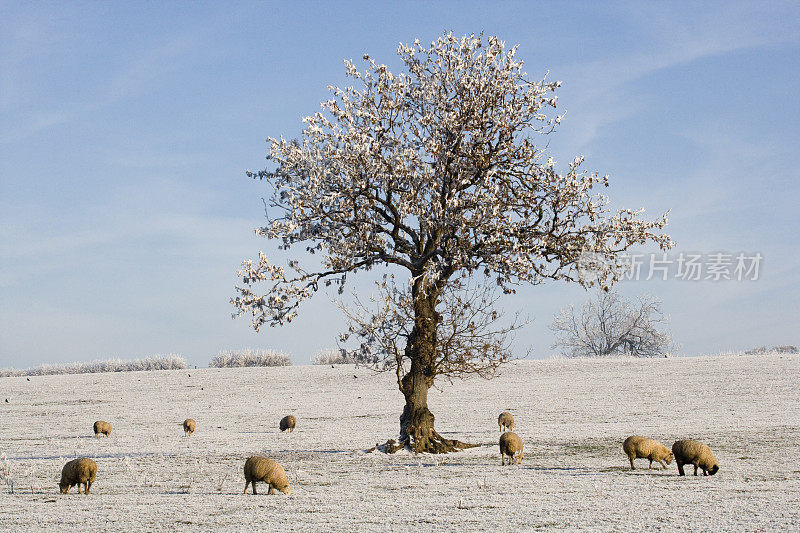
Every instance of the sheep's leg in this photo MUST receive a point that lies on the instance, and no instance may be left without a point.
(650, 466)
(254, 487)
(271, 489)
(680, 468)
(245, 486)
(502, 459)
(663, 466)
(695, 469)
(88, 485)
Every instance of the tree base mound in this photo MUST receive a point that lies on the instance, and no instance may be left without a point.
(432, 443)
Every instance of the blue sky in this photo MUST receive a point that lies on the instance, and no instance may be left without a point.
(125, 130)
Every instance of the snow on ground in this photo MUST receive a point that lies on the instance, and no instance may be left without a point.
(572, 415)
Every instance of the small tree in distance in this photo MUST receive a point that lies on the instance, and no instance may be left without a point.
(611, 325)
(437, 174)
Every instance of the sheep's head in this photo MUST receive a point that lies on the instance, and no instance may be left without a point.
(713, 470)
(669, 458)
(286, 490)
(64, 487)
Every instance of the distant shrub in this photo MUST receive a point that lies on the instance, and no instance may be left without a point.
(156, 362)
(248, 357)
(775, 349)
(331, 356)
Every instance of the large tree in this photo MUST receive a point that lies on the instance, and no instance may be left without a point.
(437, 172)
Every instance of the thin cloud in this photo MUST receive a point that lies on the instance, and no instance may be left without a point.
(597, 93)
(143, 72)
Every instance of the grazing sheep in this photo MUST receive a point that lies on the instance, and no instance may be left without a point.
(510, 445)
(642, 447)
(77, 471)
(102, 427)
(258, 468)
(288, 422)
(505, 420)
(697, 454)
(188, 427)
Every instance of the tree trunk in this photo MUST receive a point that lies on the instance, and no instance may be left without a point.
(416, 423)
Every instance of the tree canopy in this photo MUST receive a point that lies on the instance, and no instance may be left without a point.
(439, 171)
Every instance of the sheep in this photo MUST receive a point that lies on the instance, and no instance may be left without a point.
(288, 422)
(188, 427)
(505, 420)
(641, 447)
(259, 468)
(697, 454)
(102, 427)
(77, 471)
(510, 445)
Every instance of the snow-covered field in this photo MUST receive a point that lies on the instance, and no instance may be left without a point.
(571, 414)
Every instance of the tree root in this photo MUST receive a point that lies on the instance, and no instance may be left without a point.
(432, 443)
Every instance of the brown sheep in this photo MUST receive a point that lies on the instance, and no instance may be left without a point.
(505, 420)
(510, 445)
(258, 468)
(697, 454)
(641, 447)
(288, 422)
(77, 471)
(188, 427)
(102, 427)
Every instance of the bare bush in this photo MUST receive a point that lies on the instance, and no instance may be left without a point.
(156, 362)
(334, 356)
(775, 349)
(249, 357)
(612, 325)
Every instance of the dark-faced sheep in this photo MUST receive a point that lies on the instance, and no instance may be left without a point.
(77, 471)
(643, 448)
(101, 427)
(258, 468)
(288, 422)
(511, 446)
(697, 454)
(188, 427)
(505, 421)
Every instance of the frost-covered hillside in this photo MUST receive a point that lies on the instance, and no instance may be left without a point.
(571, 414)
